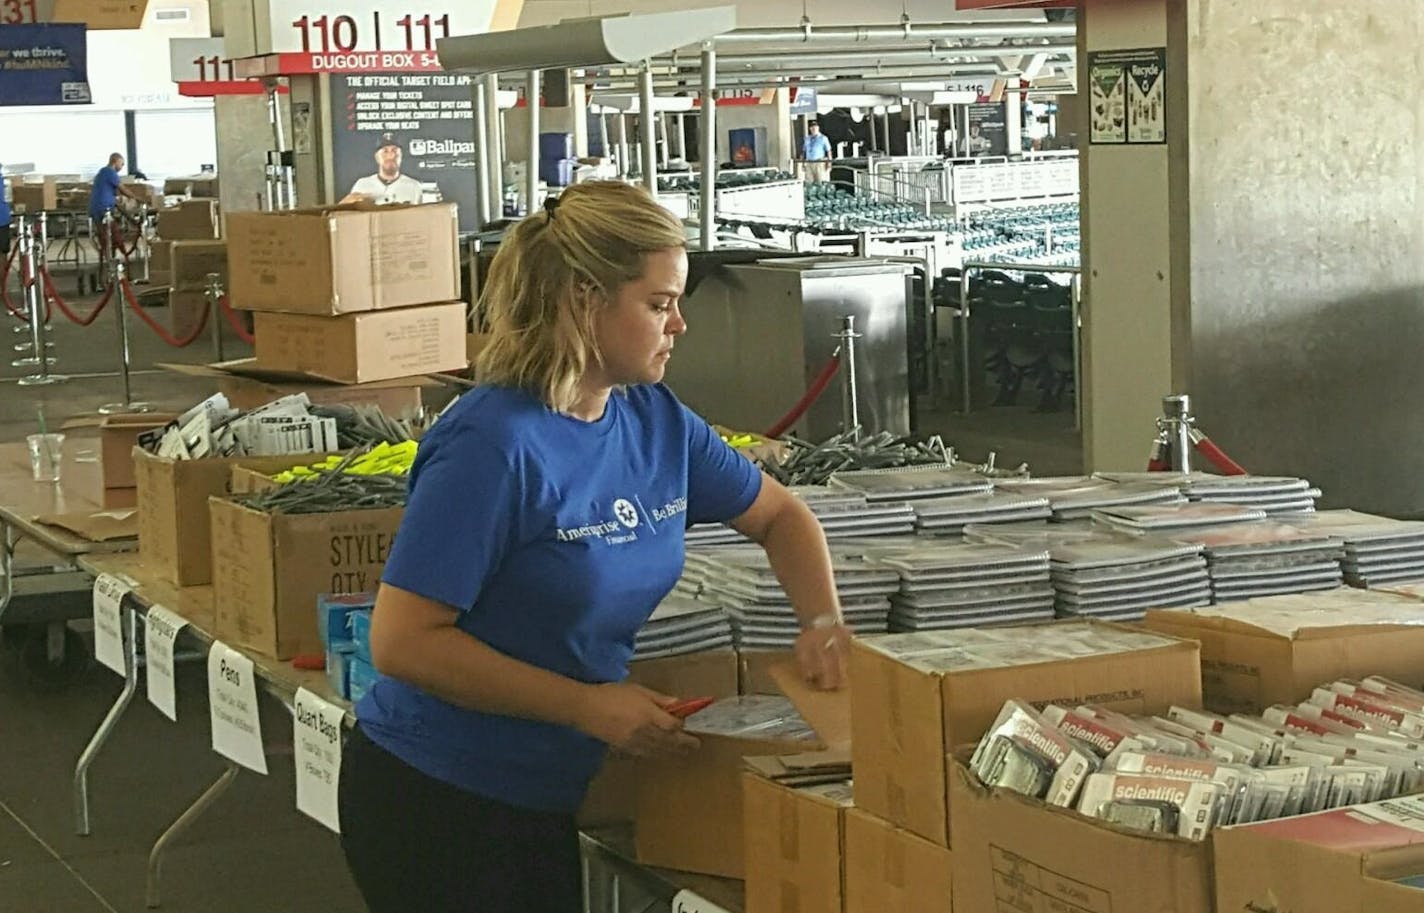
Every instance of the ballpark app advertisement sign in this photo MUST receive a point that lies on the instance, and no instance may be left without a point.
(405, 138)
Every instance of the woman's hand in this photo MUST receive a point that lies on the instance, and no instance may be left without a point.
(822, 653)
(632, 720)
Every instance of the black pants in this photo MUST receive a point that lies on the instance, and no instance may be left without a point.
(418, 845)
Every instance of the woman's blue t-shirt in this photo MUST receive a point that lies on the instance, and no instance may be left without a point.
(555, 539)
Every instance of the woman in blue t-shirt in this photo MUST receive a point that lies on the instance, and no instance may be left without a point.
(545, 522)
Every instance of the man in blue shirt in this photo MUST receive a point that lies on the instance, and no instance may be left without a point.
(107, 187)
(816, 153)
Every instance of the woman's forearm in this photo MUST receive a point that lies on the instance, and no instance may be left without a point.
(796, 547)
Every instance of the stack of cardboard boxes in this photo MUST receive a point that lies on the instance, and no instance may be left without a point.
(189, 247)
(351, 294)
(880, 812)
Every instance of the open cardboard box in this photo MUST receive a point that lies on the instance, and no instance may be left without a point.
(247, 386)
(918, 696)
(794, 824)
(612, 797)
(690, 809)
(890, 870)
(1012, 852)
(1278, 650)
(1337, 861)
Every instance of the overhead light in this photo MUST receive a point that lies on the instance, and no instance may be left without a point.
(585, 42)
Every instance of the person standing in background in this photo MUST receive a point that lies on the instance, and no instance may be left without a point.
(5, 217)
(816, 154)
(107, 187)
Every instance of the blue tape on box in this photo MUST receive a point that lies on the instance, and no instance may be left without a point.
(338, 671)
(333, 612)
(361, 633)
(360, 676)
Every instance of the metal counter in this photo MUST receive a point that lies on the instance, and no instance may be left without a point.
(759, 333)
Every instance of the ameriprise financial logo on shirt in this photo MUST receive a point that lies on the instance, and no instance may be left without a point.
(622, 527)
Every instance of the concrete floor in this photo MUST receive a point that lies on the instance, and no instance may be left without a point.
(252, 851)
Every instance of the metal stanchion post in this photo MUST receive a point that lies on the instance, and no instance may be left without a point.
(215, 293)
(34, 302)
(128, 405)
(850, 395)
(142, 237)
(1178, 418)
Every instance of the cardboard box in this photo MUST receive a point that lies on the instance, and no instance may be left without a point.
(101, 14)
(690, 809)
(1278, 650)
(186, 311)
(612, 797)
(172, 496)
(117, 436)
(190, 220)
(889, 870)
(754, 669)
(1014, 853)
(917, 697)
(269, 569)
(1325, 862)
(344, 259)
(247, 391)
(197, 186)
(794, 839)
(360, 348)
(144, 193)
(34, 197)
(185, 265)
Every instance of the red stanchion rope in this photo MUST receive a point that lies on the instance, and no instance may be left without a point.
(51, 296)
(813, 393)
(5, 288)
(1218, 457)
(158, 327)
(234, 322)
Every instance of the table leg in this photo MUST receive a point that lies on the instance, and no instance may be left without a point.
(106, 727)
(176, 829)
(8, 541)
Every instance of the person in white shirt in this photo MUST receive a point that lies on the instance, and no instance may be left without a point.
(388, 185)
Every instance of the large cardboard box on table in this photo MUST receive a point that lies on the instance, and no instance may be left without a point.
(34, 197)
(173, 530)
(197, 186)
(795, 833)
(612, 796)
(360, 348)
(185, 265)
(1279, 649)
(919, 696)
(190, 220)
(269, 569)
(344, 259)
(1337, 861)
(689, 809)
(118, 434)
(1013, 853)
(890, 870)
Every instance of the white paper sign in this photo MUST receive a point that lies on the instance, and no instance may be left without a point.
(161, 628)
(109, 593)
(689, 902)
(232, 701)
(316, 735)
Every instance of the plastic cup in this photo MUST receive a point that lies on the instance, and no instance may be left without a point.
(45, 456)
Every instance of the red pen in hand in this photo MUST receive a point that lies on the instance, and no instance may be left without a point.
(685, 708)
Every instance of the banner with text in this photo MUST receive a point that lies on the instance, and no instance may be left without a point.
(405, 138)
(44, 65)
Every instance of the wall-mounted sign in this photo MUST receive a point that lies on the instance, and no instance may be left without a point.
(261, 27)
(405, 138)
(44, 65)
(1128, 96)
(202, 69)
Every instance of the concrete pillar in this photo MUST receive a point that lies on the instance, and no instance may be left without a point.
(1013, 121)
(1135, 245)
(578, 101)
(244, 136)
